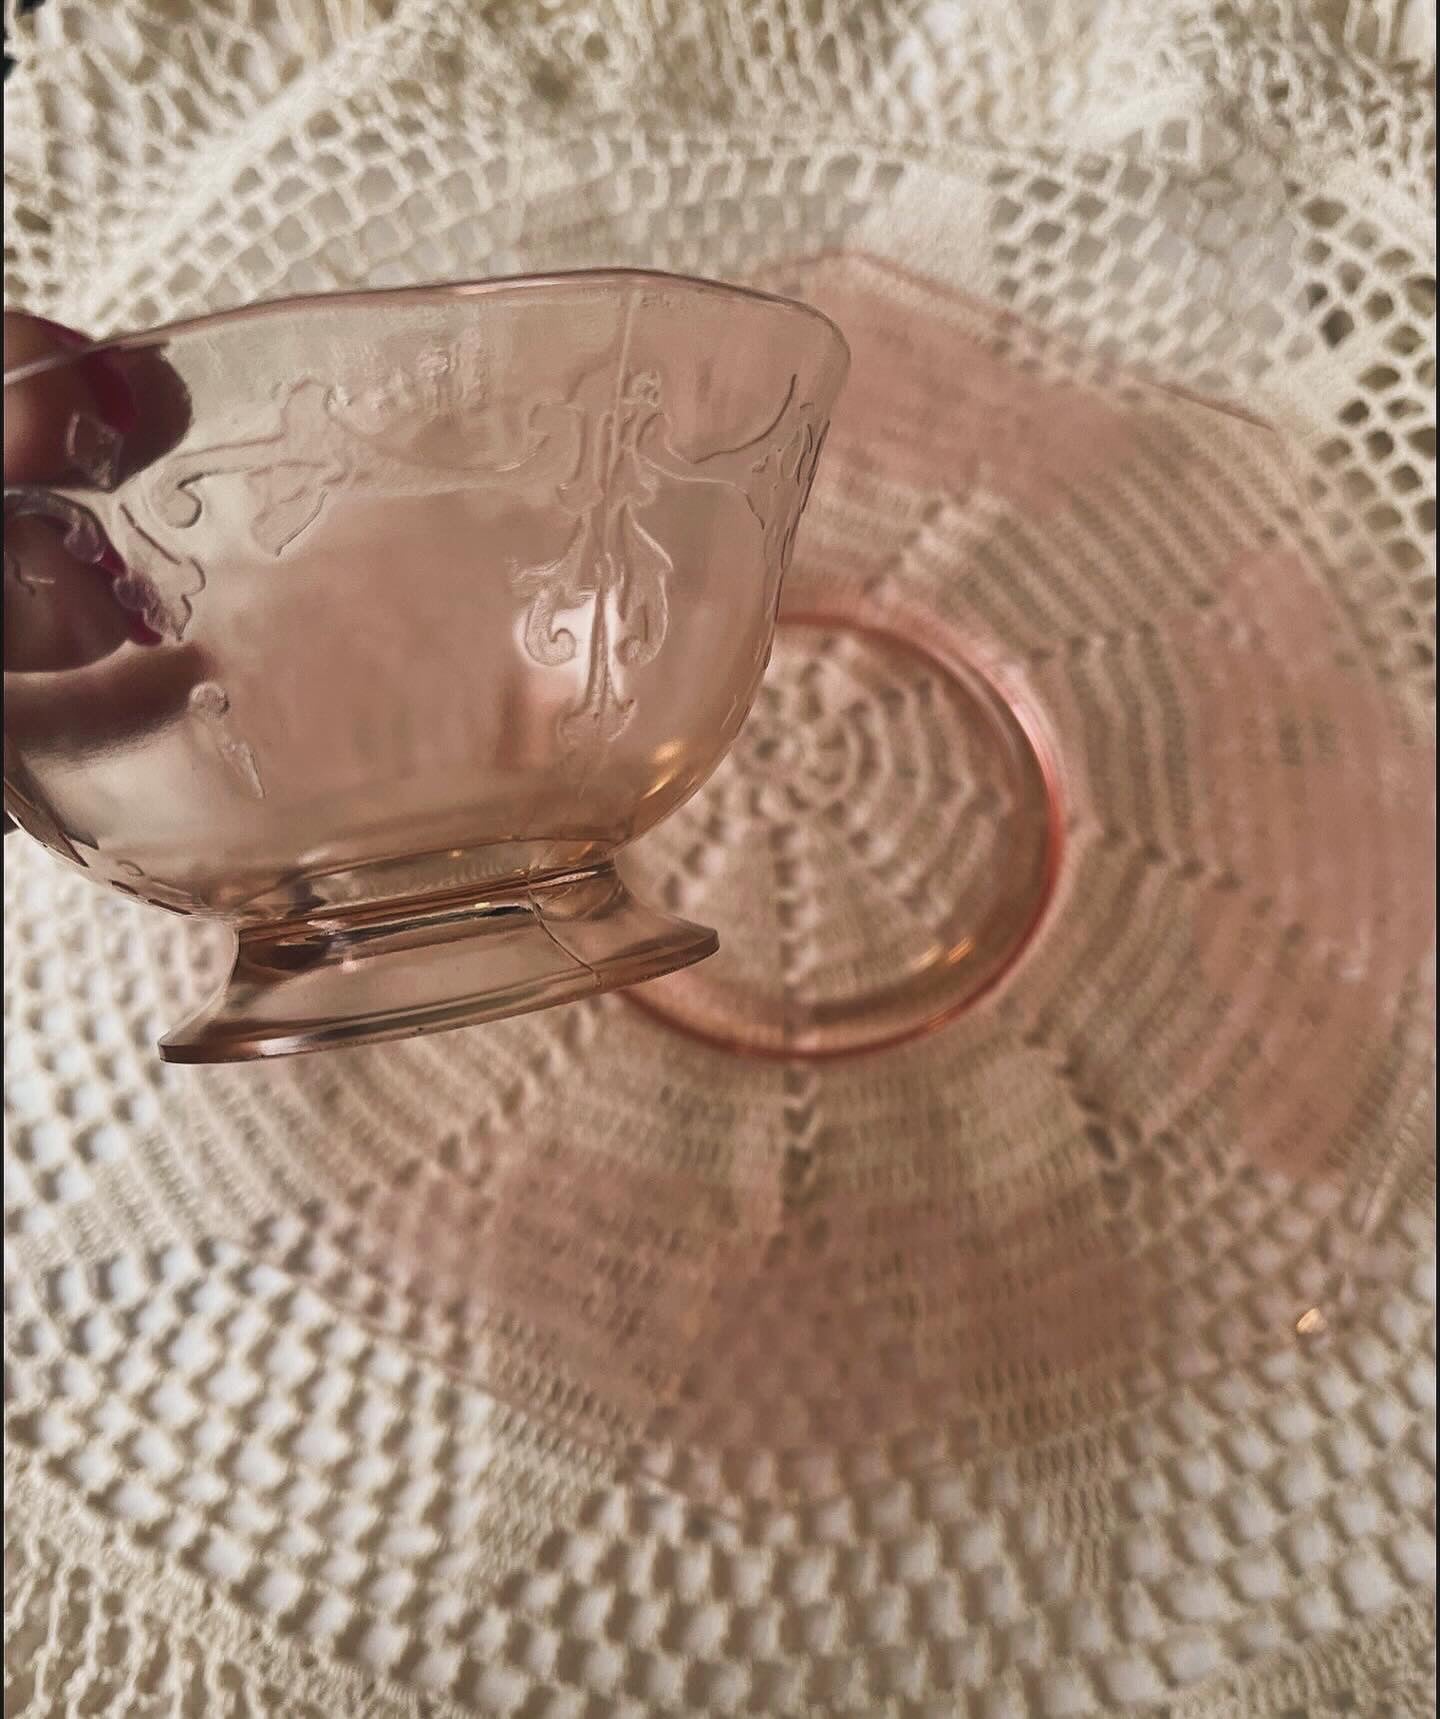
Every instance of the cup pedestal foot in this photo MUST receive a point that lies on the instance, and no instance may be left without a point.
(402, 969)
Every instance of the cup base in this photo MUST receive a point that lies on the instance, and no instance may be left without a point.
(430, 965)
(878, 849)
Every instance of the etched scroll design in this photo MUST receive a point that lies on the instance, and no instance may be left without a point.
(597, 459)
(149, 580)
(617, 568)
(210, 705)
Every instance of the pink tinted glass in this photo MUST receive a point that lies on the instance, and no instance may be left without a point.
(376, 625)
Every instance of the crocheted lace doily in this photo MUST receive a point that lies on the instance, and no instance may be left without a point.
(330, 1386)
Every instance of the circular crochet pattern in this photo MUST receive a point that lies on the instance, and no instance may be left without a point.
(1048, 1205)
(879, 848)
(573, 1366)
(888, 835)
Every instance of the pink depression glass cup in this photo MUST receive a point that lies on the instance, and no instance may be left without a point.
(376, 625)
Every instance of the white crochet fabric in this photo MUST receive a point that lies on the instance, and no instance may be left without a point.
(278, 1442)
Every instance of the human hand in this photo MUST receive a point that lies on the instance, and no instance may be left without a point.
(81, 670)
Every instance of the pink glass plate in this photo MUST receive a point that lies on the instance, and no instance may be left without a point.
(1188, 884)
(1040, 608)
(1162, 1139)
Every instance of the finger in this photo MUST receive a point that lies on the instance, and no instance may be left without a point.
(59, 609)
(120, 408)
(41, 409)
(83, 421)
(86, 419)
(101, 705)
(60, 612)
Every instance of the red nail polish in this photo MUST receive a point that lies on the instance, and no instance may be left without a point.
(137, 629)
(110, 392)
(109, 389)
(110, 563)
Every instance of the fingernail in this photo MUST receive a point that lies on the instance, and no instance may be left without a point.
(137, 629)
(66, 336)
(110, 563)
(108, 388)
(111, 393)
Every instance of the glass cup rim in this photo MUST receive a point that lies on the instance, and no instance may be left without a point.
(518, 285)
